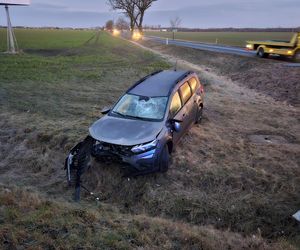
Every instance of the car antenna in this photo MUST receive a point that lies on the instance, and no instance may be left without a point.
(175, 66)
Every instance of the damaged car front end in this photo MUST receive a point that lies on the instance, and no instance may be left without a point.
(136, 159)
(139, 156)
(134, 143)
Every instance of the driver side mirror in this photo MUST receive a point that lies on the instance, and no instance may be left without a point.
(176, 125)
(105, 110)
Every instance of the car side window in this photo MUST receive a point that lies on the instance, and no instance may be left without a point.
(185, 92)
(194, 84)
(175, 104)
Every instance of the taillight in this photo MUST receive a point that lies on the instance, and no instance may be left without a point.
(201, 88)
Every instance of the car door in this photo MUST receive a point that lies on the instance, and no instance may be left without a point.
(188, 105)
(196, 97)
(181, 109)
(176, 112)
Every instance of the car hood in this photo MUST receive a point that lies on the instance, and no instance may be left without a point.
(125, 132)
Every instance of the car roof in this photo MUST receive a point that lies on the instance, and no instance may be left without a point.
(158, 84)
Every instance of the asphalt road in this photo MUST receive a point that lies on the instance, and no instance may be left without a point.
(212, 47)
(204, 46)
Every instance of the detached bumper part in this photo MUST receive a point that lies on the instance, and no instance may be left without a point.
(69, 162)
(77, 162)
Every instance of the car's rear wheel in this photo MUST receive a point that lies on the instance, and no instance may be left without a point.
(297, 56)
(164, 159)
(199, 115)
(261, 53)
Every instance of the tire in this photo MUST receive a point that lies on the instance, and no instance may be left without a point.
(164, 159)
(199, 115)
(261, 53)
(297, 56)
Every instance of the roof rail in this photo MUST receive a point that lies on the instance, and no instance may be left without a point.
(143, 79)
(187, 73)
(183, 76)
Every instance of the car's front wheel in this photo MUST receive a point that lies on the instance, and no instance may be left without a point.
(164, 159)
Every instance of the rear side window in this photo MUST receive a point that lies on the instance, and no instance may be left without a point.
(194, 84)
(185, 92)
(175, 104)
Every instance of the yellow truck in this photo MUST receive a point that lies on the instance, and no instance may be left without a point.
(283, 48)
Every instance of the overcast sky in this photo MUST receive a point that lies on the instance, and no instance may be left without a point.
(194, 13)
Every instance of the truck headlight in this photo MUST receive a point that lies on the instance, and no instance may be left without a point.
(144, 147)
(249, 46)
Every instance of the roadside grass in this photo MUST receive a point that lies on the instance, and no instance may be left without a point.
(219, 182)
(227, 38)
(30, 221)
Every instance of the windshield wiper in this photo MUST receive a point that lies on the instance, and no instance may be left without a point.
(140, 118)
(120, 114)
(133, 117)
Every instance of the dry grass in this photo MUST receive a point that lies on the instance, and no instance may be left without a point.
(220, 181)
(29, 221)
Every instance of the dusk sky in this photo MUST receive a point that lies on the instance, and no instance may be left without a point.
(194, 13)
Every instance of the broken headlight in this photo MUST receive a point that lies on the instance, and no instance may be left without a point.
(144, 147)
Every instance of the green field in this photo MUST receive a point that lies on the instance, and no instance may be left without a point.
(57, 71)
(227, 38)
(46, 38)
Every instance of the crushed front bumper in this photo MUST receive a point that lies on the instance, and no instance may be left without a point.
(122, 154)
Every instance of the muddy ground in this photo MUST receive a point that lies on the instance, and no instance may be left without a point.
(237, 171)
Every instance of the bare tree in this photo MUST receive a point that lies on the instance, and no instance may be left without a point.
(175, 23)
(129, 9)
(109, 25)
(122, 24)
(142, 6)
(133, 9)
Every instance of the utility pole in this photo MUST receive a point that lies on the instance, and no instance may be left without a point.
(12, 46)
